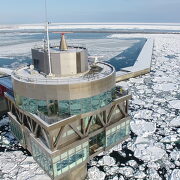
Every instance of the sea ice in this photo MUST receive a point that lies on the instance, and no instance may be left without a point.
(175, 174)
(149, 153)
(143, 114)
(175, 122)
(142, 128)
(95, 174)
(107, 160)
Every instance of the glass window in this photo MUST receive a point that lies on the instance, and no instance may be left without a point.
(71, 151)
(96, 142)
(33, 106)
(79, 156)
(52, 107)
(95, 102)
(19, 100)
(116, 134)
(102, 98)
(85, 144)
(72, 159)
(108, 97)
(25, 103)
(42, 158)
(42, 107)
(64, 155)
(75, 107)
(64, 108)
(86, 105)
(78, 148)
(58, 166)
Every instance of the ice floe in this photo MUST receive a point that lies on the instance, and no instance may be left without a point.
(142, 128)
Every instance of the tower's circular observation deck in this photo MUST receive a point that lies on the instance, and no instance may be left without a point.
(80, 93)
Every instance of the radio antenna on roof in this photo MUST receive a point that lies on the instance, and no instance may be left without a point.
(47, 36)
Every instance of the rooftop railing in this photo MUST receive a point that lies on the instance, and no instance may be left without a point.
(56, 45)
(106, 70)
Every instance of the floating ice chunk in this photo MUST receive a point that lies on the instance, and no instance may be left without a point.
(153, 174)
(107, 160)
(175, 175)
(138, 102)
(149, 153)
(170, 138)
(126, 171)
(143, 128)
(175, 155)
(143, 140)
(175, 122)
(143, 114)
(95, 174)
(165, 87)
(112, 170)
(162, 79)
(4, 121)
(132, 163)
(139, 175)
(174, 104)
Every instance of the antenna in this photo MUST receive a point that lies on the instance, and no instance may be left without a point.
(47, 36)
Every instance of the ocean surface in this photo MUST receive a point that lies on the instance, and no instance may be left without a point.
(15, 47)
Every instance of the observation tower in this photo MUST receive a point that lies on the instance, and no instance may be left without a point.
(66, 111)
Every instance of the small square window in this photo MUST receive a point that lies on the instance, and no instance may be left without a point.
(78, 148)
(64, 155)
(85, 144)
(71, 151)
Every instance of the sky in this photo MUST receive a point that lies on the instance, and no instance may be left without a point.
(86, 11)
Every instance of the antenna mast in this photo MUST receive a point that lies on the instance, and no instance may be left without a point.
(47, 36)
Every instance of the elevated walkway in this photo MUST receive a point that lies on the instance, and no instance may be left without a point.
(142, 64)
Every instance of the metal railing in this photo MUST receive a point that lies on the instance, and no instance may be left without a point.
(107, 70)
(56, 45)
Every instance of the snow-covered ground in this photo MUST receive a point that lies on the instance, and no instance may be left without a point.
(153, 150)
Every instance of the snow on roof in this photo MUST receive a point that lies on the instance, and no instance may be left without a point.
(5, 71)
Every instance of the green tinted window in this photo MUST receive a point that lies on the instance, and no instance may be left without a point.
(102, 99)
(64, 107)
(42, 106)
(75, 107)
(95, 102)
(86, 105)
(33, 106)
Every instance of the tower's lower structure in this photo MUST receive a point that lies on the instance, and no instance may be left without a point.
(66, 121)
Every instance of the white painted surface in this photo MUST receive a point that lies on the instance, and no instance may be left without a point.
(5, 71)
(144, 59)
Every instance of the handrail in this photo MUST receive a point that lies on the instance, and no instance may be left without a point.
(104, 73)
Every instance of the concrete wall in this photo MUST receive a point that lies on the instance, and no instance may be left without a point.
(64, 91)
(63, 63)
